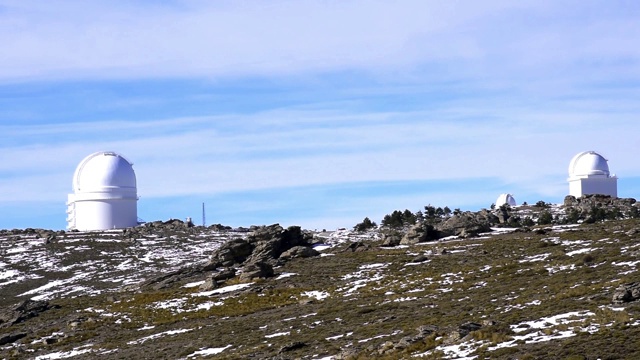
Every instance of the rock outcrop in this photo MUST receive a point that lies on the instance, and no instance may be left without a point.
(392, 347)
(264, 248)
(627, 293)
(11, 338)
(418, 233)
(391, 237)
(596, 207)
(467, 224)
(26, 310)
(254, 257)
(299, 252)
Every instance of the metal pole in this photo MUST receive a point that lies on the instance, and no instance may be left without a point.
(204, 223)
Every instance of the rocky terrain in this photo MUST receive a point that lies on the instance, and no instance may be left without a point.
(542, 281)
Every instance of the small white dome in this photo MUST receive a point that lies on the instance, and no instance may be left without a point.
(588, 163)
(104, 171)
(507, 199)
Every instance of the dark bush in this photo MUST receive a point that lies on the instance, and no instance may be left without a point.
(545, 218)
(365, 225)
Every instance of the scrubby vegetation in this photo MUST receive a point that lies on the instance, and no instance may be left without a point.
(365, 225)
(526, 292)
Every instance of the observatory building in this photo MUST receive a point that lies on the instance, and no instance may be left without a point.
(104, 194)
(505, 199)
(589, 174)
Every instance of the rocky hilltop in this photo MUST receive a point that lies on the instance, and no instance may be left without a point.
(529, 282)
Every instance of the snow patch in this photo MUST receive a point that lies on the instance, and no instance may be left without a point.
(209, 351)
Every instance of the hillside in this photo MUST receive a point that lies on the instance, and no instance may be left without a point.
(164, 291)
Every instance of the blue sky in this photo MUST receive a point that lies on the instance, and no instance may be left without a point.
(314, 113)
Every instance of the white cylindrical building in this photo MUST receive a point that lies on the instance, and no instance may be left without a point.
(104, 195)
(589, 174)
(505, 199)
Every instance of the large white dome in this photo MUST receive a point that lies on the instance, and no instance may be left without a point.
(104, 171)
(588, 163)
(505, 199)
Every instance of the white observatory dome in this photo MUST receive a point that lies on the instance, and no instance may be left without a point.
(105, 193)
(589, 175)
(505, 199)
(102, 171)
(588, 163)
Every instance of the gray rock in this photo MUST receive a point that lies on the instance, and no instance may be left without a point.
(440, 251)
(584, 204)
(216, 277)
(299, 252)
(26, 310)
(503, 214)
(627, 293)
(348, 353)
(266, 252)
(166, 280)
(418, 233)
(405, 342)
(466, 328)
(467, 224)
(357, 247)
(209, 284)
(292, 346)
(225, 274)
(232, 252)
(11, 338)
(264, 244)
(462, 331)
(256, 270)
(570, 200)
(420, 258)
(391, 238)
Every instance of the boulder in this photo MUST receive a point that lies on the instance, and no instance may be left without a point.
(212, 281)
(585, 204)
(467, 224)
(220, 228)
(232, 252)
(627, 293)
(292, 346)
(264, 244)
(299, 252)
(418, 233)
(462, 331)
(166, 280)
(11, 338)
(466, 328)
(267, 251)
(285, 238)
(357, 247)
(570, 200)
(503, 214)
(256, 270)
(225, 274)
(423, 332)
(420, 258)
(259, 253)
(391, 238)
(348, 353)
(26, 310)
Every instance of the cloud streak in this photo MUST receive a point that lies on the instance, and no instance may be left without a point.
(191, 156)
(222, 39)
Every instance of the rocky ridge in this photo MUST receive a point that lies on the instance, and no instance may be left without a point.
(463, 286)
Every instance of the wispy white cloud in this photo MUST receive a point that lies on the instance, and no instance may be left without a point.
(312, 149)
(77, 39)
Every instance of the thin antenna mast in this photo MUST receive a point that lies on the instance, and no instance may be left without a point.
(204, 223)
